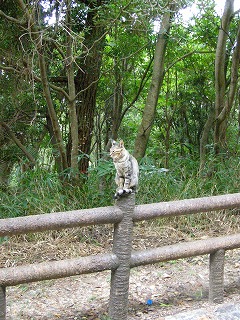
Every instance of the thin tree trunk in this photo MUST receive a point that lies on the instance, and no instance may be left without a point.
(37, 38)
(205, 136)
(238, 137)
(220, 73)
(55, 152)
(117, 101)
(156, 83)
(229, 99)
(18, 143)
(52, 113)
(72, 94)
(169, 114)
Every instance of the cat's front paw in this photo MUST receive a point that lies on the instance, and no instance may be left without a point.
(118, 193)
(125, 190)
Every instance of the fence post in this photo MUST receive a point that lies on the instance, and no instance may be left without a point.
(122, 247)
(2, 303)
(216, 275)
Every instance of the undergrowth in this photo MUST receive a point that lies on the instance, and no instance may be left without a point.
(40, 191)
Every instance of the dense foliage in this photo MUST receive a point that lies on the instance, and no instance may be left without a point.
(75, 73)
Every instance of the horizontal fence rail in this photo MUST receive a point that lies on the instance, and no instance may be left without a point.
(184, 250)
(59, 220)
(107, 215)
(57, 269)
(122, 259)
(186, 206)
(71, 267)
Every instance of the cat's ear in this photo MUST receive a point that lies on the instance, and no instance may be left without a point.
(121, 144)
(113, 142)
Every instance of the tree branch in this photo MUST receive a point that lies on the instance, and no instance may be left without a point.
(8, 68)
(18, 142)
(236, 12)
(54, 87)
(9, 18)
(141, 86)
(185, 56)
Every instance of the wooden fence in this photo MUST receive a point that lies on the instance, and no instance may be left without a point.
(121, 259)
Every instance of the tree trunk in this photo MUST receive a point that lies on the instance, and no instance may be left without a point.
(114, 105)
(238, 138)
(86, 85)
(229, 98)
(72, 94)
(205, 136)
(52, 112)
(220, 74)
(36, 36)
(18, 143)
(156, 83)
(169, 115)
(55, 152)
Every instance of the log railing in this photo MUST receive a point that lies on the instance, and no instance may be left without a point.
(121, 259)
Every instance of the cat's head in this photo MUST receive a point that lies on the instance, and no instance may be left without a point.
(117, 150)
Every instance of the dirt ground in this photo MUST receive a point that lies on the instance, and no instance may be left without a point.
(173, 287)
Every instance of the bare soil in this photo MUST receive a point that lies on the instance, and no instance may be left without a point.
(173, 287)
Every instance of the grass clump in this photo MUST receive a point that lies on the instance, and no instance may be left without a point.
(39, 191)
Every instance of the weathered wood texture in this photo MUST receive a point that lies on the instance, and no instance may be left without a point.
(216, 276)
(122, 247)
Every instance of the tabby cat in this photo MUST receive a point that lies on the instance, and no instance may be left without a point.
(127, 169)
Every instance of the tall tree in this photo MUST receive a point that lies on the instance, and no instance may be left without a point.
(68, 68)
(87, 79)
(71, 91)
(225, 88)
(156, 82)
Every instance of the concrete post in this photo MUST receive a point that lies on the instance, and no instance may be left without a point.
(2, 303)
(122, 247)
(216, 276)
